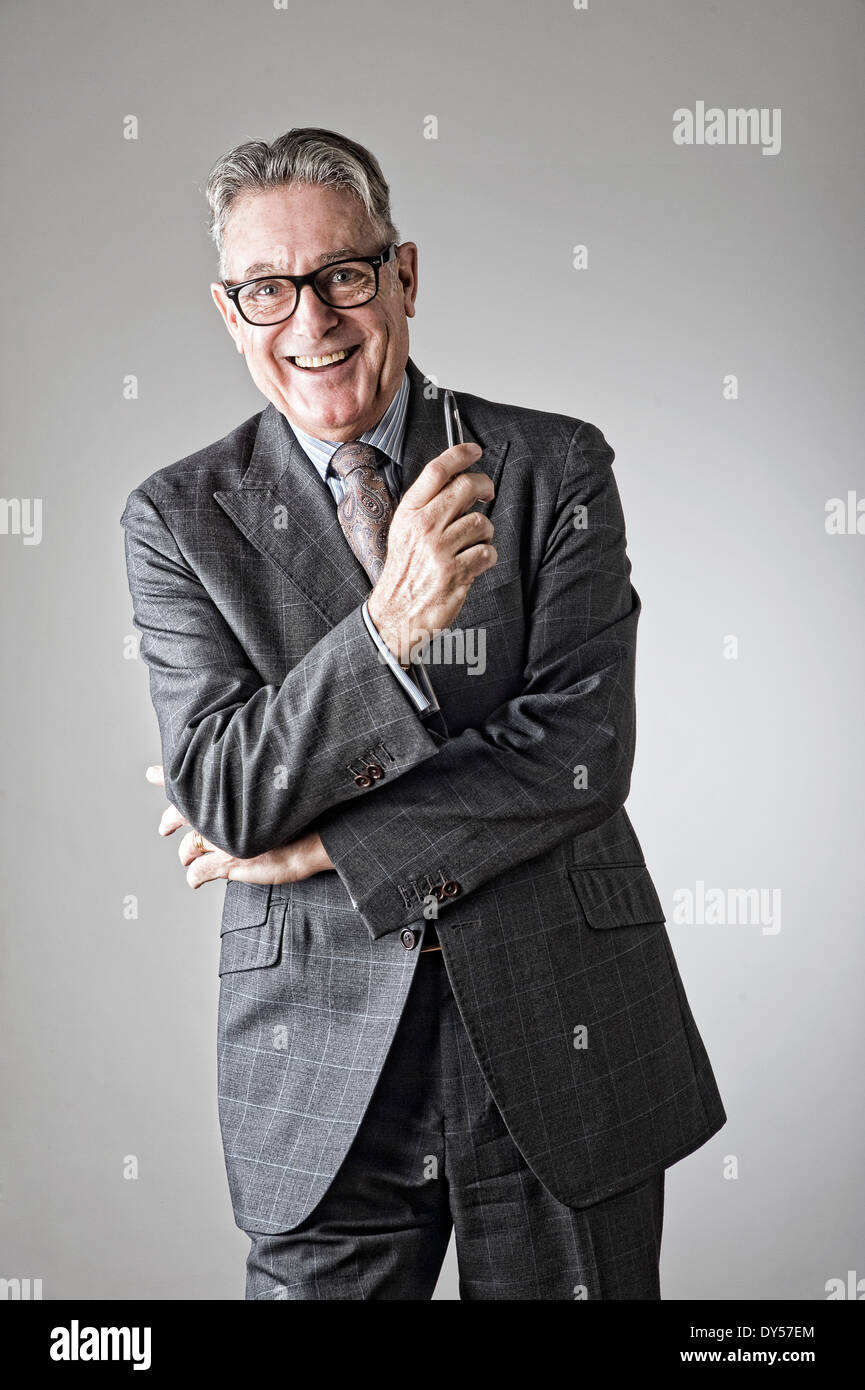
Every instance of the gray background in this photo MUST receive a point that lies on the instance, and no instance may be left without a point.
(555, 128)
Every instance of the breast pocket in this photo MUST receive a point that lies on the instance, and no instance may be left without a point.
(252, 926)
(616, 895)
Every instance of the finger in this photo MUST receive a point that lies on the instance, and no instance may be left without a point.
(208, 867)
(156, 775)
(468, 530)
(249, 871)
(476, 561)
(438, 472)
(188, 850)
(171, 821)
(458, 496)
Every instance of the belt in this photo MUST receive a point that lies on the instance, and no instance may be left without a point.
(432, 941)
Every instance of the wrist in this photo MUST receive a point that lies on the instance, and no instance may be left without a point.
(288, 863)
(388, 633)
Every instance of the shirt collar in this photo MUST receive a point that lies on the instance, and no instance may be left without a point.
(388, 435)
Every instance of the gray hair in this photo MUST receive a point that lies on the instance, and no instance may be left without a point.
(302, 155)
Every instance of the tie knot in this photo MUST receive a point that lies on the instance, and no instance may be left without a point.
(354, 455)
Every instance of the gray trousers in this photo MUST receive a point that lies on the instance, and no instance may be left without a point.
(432, 1154)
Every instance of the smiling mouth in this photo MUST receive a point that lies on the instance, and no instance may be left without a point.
(325, 363)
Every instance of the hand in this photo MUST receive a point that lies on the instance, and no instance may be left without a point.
(299, 859)
(436, 549)
(288, 864)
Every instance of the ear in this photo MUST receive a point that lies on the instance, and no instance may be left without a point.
(406, 269)
(231, 318)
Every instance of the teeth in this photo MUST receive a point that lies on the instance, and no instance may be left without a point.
(322, 361)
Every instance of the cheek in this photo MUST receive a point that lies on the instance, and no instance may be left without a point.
(379, 333)
(383, 344)
(263, 355)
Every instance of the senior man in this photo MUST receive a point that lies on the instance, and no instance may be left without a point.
(447, 996)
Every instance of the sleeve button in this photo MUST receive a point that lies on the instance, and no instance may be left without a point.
(362, 780)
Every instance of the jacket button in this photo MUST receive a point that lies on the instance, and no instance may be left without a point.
(408, 939)
(374, 771)
(362, 780)
(451, 889)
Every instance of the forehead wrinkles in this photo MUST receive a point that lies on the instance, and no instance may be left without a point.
(278, 259)
(296, 234)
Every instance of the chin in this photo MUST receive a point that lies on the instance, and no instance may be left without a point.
(340, 409)
(335, 414)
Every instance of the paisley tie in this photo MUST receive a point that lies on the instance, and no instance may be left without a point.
(367, 507)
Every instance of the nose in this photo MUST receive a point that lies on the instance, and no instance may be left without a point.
(311, 318)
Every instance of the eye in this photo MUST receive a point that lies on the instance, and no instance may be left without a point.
(266, 289)
(344, 275)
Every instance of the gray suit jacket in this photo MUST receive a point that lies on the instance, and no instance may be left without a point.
(272, 702)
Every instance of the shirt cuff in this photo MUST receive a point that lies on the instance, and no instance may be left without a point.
(419, 689)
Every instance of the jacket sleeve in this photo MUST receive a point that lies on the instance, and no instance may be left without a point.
(249, 764)
(502, 793)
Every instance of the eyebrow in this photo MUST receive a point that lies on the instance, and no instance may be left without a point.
(267, 267)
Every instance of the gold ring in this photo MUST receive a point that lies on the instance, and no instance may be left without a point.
(198, 842)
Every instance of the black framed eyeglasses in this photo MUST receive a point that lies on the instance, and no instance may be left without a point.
(341, 285)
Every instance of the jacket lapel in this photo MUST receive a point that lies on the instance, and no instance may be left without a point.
(287, 512)
(425, 434)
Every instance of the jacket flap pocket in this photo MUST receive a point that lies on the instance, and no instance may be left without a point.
(245, 905)
(616, 895)
(256, 945)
